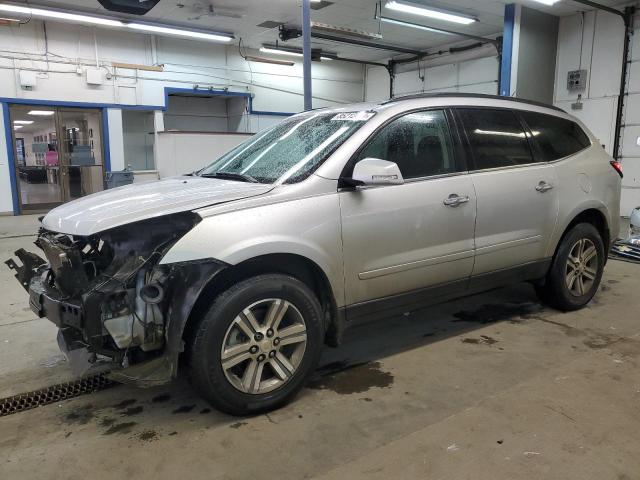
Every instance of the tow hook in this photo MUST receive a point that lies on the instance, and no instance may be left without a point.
(30, 264)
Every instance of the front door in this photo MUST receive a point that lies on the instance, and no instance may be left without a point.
(58, 154)
(403, 238)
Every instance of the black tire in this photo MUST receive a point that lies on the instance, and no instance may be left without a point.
(205, 364)
(554, 291)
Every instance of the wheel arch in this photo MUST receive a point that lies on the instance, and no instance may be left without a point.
(295, 265)
(593, 216)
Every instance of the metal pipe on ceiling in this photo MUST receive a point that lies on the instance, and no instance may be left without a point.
(599, 6)
(365, 43)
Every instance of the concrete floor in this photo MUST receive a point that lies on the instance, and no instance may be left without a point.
(490, 387)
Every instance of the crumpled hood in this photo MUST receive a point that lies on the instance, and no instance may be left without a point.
(119, 206)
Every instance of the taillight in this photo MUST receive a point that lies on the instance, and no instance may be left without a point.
(617, 166)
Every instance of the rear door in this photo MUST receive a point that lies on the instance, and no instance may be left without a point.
(516, 191)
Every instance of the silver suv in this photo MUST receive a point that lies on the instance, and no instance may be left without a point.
(243, 270)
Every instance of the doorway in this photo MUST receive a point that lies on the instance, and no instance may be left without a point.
(58, 153)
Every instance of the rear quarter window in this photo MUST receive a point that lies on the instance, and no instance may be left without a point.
(555, 137)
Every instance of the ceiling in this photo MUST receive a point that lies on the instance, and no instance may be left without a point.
(357, 14)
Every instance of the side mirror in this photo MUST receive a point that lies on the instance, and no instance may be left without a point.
(373, 171)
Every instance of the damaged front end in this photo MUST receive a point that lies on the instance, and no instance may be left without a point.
(116, 306)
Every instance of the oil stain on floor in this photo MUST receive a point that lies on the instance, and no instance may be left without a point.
(350, 379)
(496, 313)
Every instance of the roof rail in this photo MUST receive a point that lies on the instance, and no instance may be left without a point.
(471, 95)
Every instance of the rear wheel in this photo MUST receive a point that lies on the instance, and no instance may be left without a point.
(257, 345)
(576, 270)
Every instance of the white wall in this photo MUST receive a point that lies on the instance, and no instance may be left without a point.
(187, 63)
(594, 41)
(70, 49)
(473, 72)
(116, 139)
(182, 153)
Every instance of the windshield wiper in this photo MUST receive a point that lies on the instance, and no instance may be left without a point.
(231, 176)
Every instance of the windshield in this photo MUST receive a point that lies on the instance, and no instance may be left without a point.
(288, 152)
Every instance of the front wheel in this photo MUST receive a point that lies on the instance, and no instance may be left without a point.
(257, 345)
(576, 270)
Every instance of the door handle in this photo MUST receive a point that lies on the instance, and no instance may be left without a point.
(455, 200)
(543, 187)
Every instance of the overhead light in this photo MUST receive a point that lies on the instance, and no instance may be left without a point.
(72, 17)
(547, 2)
(111, 22)
(178, 32)
(17, 127)
(41, 113)
(402, 23)
(430, 12)
(290, 52)
(23, 122)
(277, 51)
(252, 58)
(352, 32)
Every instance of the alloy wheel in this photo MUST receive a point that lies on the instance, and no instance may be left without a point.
(264, 346)
(582, 267)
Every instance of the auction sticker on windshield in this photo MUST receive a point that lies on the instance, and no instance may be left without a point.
(353, 116)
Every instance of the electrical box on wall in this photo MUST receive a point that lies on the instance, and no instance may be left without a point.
(94, 76)
(576, 80)
(28, 79)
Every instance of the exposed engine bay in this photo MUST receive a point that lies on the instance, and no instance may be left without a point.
(110, 297)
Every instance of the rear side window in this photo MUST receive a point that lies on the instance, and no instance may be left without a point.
(496, 137)
(555, 137)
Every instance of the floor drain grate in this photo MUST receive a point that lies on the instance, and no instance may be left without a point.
(55, 393)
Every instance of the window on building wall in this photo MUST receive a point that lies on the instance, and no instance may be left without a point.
(138, 137)
(206, 114)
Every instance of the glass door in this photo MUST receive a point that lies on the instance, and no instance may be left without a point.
(80, 149)
(59, 154)
(35, 143)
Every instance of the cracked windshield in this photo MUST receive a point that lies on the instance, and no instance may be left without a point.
(288, 152)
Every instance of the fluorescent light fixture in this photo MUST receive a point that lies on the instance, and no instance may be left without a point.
(17, 127)
(41, 113)
(402, 23)
(429, 12)
(110, 22)
(352, 32)
(277, 51)
(72, 17)
(547, 2)
(292, 53)
(23, 122)
(178, 32)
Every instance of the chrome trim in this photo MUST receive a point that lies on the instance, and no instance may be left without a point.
(380, 272)
(509, 244)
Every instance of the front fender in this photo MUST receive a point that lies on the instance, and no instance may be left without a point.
(308, 227)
